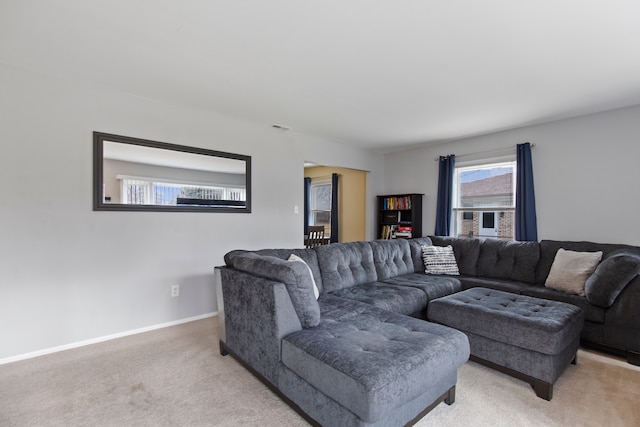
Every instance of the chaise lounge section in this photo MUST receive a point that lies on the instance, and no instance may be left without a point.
(338, 360)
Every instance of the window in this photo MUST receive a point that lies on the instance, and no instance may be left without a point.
(147, 191)
(484, 201)
(320, 205)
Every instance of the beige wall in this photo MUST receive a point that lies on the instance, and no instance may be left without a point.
(352, 186)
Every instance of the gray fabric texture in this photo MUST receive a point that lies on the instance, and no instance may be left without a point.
(433, 286)
(530, 323)
(308, 255)
(508, 259)
(343, 265)
(370, 360)
(591, 312)
(327, 412)
(258, 313)
(545, 367)
(416, 245)
(399, 299)
(466, 251)
(294, 275)
(506, 285)
(391, 258)
(610, 277)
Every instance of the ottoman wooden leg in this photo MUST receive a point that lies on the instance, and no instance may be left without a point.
(451, 396)
(543, 390)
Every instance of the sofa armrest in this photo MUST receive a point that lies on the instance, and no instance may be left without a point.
(622, 319)
(258, 313)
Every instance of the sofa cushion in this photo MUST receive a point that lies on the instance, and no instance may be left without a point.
(399, 299)
(508, 259)
(372, 361)
(465, 250)
(506, 285)
(308, 255)
(391, 258)
(433, 286)
(592, 313)
(294, 275)
(610, 278)
(416, 245)
(440, 260)
(570, 270)
(343, 265)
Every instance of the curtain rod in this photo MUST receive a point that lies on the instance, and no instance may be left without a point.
(484, 152)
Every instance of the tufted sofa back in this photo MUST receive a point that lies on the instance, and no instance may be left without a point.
(466, 252)
(392, 258)
(343, 265)
(502, 259)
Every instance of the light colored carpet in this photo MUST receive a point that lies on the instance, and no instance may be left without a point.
(176, 377)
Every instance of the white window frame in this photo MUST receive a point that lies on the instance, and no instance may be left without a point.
(508, 161)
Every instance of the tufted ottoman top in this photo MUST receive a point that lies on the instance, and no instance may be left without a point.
(371, 360)
(526, 322)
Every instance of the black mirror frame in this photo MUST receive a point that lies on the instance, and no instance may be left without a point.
(98, 178)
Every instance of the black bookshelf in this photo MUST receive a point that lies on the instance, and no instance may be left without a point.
(400, 216)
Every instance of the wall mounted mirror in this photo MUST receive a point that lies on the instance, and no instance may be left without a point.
(132, 174)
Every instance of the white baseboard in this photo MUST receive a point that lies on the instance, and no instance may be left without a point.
(103, 338)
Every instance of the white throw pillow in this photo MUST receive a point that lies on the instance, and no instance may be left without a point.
(296, 258)
(570, 270)
(440, 260)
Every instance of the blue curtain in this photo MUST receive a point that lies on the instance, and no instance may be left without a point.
(307, 202)
(445, 191)
(526, 223)
(334, 208)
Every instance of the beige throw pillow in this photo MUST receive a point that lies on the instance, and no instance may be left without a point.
(570, 270)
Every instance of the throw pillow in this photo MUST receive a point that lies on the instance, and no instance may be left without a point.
(440, 260)
(296, 258)
(570, 270)
(610, 278)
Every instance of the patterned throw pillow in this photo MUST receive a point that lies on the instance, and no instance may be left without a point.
(440, 260)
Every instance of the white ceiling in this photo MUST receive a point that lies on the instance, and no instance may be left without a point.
(378, 74)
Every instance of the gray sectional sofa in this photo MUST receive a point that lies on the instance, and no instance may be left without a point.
(362, 353)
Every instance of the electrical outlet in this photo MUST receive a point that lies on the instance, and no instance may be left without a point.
(175, 290)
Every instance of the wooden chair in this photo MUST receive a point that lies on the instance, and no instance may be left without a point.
(315, 236)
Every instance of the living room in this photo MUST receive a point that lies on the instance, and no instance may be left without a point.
(73, 276)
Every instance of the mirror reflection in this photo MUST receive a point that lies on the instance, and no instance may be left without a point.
(136, 174)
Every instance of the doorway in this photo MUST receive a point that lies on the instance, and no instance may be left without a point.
(488, 226)
(352, 188)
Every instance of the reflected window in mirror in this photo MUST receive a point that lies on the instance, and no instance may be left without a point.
(134, 174)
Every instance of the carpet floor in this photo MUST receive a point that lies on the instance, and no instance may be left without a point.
(176, 377)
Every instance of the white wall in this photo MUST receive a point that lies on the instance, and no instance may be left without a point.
(70, 274)
(585, 170)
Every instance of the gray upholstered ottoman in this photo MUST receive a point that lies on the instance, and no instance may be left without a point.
(529, 338)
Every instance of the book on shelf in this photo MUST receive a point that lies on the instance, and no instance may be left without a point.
(395, 232)
(396, 203)
(388, 232)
